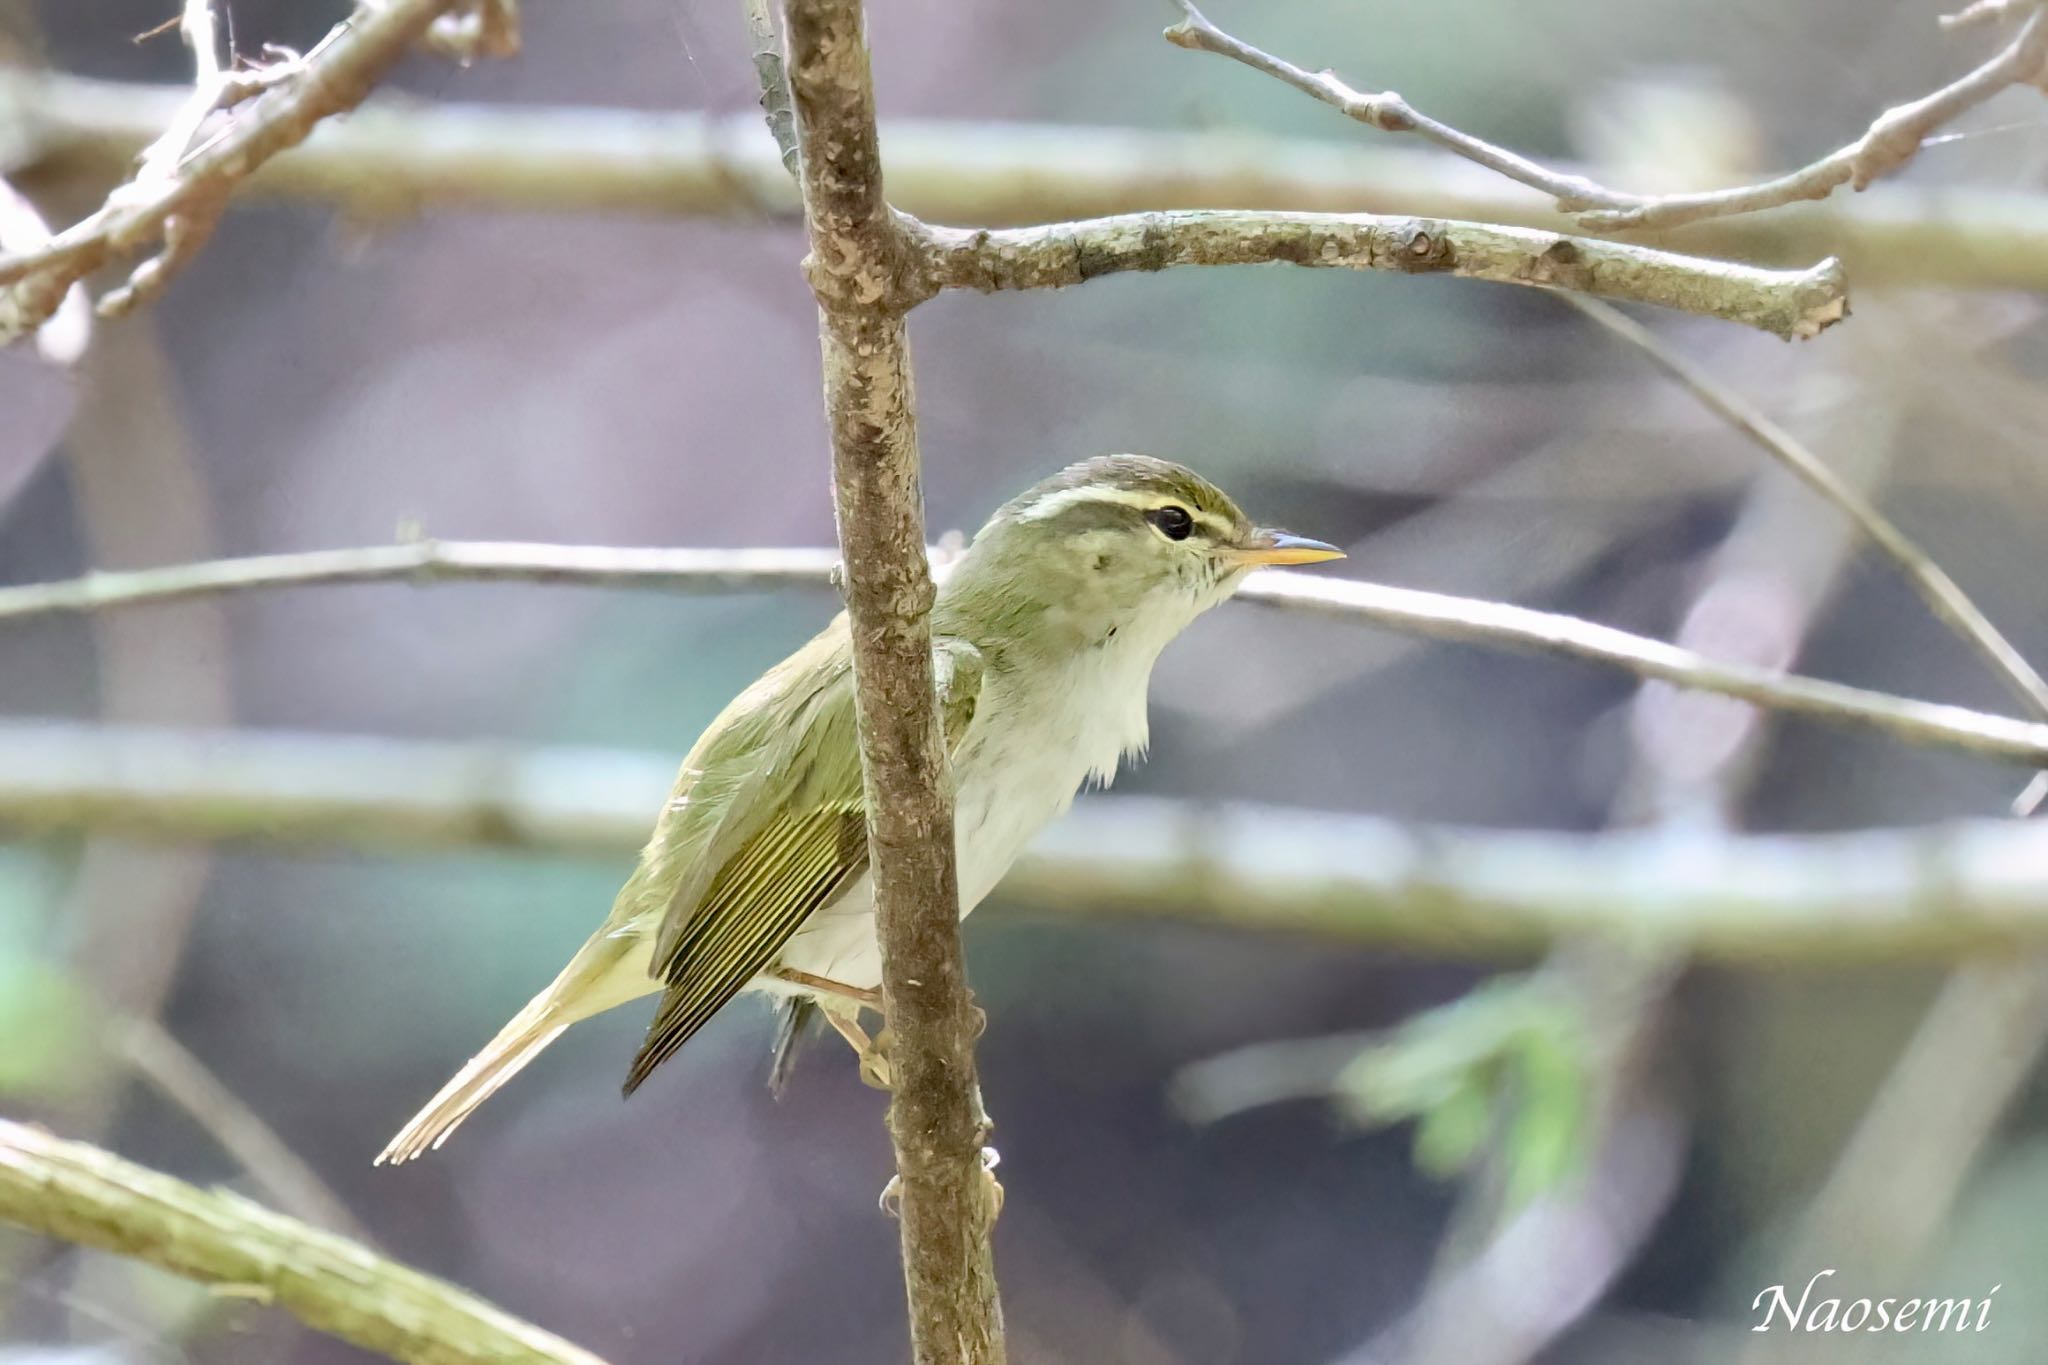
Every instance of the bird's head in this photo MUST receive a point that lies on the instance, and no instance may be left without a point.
(1113, 541)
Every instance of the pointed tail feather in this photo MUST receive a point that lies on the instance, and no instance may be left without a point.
(608, 971)
(794, 1015)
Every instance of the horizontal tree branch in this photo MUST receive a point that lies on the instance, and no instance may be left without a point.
(1789, 304)
(1950, 891)
(393, 156)
(81, 1194)
(1409, 610)
(432, 561)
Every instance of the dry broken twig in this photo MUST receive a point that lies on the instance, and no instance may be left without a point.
(179, 193)
(1885, 146)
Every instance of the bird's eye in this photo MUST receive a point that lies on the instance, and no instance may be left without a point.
(1173, 522)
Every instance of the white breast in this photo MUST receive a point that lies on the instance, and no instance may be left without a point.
(1080, 722)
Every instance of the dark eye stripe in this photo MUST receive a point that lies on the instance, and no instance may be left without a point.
(1173, 522)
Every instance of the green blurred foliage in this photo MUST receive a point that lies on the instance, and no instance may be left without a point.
(1502, 1071)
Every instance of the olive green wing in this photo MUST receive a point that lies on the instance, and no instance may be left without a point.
(790, 839)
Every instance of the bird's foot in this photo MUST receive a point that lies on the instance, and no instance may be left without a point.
(990, 1159)
(891, 1202)
(866, 996)
(873, 1052)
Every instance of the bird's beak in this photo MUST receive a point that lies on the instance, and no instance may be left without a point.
(1266, 546)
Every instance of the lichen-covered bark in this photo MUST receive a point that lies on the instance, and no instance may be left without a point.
(1788, 303)
(862, 269)
(81, 1194)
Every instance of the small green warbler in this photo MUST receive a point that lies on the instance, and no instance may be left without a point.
(1043, 640)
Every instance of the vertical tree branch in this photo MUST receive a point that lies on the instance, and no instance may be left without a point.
(857, 267)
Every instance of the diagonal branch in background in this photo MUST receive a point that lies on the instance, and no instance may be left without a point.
(1968, 889)
(1888, 144)
(858, 258)
(1787, 303)
(81, 1194)
(1944, 597)
(148, 1049)
(178, 195)
(392, 159)
(1436, 616)
(1521, 1277)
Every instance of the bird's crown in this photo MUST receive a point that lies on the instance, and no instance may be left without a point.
(1108, 484)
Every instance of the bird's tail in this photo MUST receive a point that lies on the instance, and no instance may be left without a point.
(607, 972)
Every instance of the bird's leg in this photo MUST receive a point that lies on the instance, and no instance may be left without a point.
(841, 1005)
(824, 985)
(873, 1052)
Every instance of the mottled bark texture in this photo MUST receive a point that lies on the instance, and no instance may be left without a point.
(78, 1193)
(861, 267)
(1794, 304)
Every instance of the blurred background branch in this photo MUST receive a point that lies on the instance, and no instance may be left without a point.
(394, 158)
(1969, 888)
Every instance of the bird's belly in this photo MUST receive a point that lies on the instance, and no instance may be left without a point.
(1004, 794)
(993, 819)
(838, 942)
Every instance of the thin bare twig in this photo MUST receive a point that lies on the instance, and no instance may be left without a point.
(1794, 304)
(774, 82)
(1385, 111)
(1885, 146)
(936, 1122)
(1413, 611)
(81, 1194)
(432, 561)
(178, 198)
(149, 1050)
(392, 158)
(160, 159)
